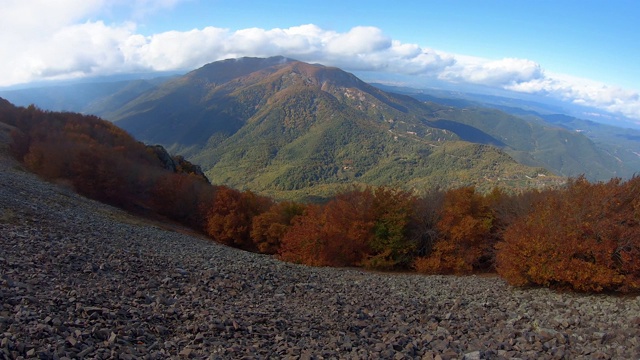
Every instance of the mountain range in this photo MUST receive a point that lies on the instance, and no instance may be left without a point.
(296, 130)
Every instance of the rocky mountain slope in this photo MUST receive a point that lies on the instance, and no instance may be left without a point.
(80, 279)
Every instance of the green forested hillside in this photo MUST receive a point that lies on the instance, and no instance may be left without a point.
(536, 134)
(258, 114)
(295, 130)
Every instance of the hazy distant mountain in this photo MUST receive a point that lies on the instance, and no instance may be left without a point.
(97, 98)
(619, 143)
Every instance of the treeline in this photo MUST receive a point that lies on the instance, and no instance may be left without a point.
(103, 162)
(585, 236)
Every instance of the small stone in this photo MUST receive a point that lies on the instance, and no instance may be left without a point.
(86, 351)
(186, 352)
(474, 355)
(71, 340)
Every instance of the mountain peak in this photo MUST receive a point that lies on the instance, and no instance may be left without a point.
(320, 74)
(226, 70)
(281, 127)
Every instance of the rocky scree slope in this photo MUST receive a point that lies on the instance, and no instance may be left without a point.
(79, 279)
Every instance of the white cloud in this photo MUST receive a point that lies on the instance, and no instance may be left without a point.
(26, 18)
(502, 73)
(54, 40)
(584, 92)
(359, 40)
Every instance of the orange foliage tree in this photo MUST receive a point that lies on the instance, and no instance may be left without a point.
(585, 238)
(304, 242)
(336, 234)
(356, 228)
(467, 237)
(179, 196)
(230, 216)
(268, 228)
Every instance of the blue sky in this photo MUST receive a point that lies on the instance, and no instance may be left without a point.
(585, 38)
(584, 51)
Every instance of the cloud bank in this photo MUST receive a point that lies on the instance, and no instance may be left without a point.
(58, 42)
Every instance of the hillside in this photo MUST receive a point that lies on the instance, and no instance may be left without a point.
(296, 130)
(596, 149)
(299, 131)
(164, 293)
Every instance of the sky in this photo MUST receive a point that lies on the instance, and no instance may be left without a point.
(581, 51)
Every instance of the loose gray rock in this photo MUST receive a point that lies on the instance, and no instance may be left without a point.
(79, 279)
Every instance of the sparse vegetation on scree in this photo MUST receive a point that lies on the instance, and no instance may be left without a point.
(585, 236)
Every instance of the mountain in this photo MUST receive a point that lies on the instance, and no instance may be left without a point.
(567, 145)
(291, 129)
(97, 98)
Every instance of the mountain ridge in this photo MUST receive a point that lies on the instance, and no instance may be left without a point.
(294, 126)
(267, 123)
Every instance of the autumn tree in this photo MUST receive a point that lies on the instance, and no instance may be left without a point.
(178, 196)
(391, 246)
(304, 242)
(422, 229)
(585, 237)
(336, 234)
(231, 214)
(268, 228)
(348, 227)
(359, 227)
(466, 240)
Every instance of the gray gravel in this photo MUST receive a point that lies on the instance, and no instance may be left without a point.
(79, 279)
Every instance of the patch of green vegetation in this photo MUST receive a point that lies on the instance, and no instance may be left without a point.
(302, 131)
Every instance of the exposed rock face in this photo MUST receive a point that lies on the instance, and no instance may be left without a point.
(176, 163)
(163, 155)
(79, 279)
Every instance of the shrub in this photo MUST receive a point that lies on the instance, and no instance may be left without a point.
(466, 229)
(231, 214)
(585, 238)
(268, 228)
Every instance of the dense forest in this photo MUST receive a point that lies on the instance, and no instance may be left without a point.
(584, 236)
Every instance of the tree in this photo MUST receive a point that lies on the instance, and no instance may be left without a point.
(268, 228)
(229, 219)
(304, 243)
(178, 196)
(392, 211)
(336, 234)
(586, 238)
(466, 240)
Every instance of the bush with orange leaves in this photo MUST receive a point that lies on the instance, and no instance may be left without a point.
(357, 228)
(585, 237)
(336, 234)
(268, 228)
(467, 234)
(230, 216)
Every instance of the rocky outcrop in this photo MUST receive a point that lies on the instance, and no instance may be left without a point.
(163, 155)
(176, 164)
